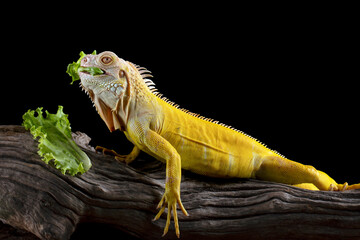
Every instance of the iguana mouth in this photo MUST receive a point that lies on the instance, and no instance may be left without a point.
(93, 71)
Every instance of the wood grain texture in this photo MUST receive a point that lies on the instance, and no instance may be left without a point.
(37, 198)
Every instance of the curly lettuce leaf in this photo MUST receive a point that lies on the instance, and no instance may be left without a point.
(74, 68)
(55, 141)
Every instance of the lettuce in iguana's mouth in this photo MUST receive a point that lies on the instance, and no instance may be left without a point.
(91, 70)
(74, 68)
(55, 141)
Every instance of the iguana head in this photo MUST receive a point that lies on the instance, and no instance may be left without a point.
(105, 78)
(110, 81)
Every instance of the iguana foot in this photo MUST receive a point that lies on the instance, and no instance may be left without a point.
(339, 187)
(121, 158)
(170, 199)
(106, 151)
(125, 158)
(343, 187)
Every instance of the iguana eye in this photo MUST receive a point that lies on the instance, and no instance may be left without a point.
(106, 60)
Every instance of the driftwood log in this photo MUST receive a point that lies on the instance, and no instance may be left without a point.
(37, 198)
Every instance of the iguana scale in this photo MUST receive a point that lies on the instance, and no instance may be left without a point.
(127, 100)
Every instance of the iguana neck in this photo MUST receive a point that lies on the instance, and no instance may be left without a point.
(137, 101)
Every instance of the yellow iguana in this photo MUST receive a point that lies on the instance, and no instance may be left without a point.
(127, 100)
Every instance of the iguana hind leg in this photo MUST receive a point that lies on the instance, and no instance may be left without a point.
(121, 158)
(278, 169)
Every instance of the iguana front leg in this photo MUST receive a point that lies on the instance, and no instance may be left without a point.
(163, 149)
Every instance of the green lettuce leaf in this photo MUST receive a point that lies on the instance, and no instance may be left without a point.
(74, 68)
(55, 141)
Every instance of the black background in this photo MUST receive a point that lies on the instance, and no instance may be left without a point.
(285, 74)
(287, 78)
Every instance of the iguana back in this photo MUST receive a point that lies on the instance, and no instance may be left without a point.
(209, 148)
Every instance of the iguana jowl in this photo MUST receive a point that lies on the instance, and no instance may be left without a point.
(126, 99)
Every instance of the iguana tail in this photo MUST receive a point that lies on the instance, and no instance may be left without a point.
(353, 186)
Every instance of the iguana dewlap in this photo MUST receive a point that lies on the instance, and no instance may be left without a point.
(126, 100)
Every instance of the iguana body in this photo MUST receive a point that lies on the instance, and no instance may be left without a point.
(127, 100)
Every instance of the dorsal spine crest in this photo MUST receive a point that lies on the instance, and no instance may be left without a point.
(144, 73)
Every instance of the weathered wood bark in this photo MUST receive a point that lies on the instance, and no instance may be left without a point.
(37, 198)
